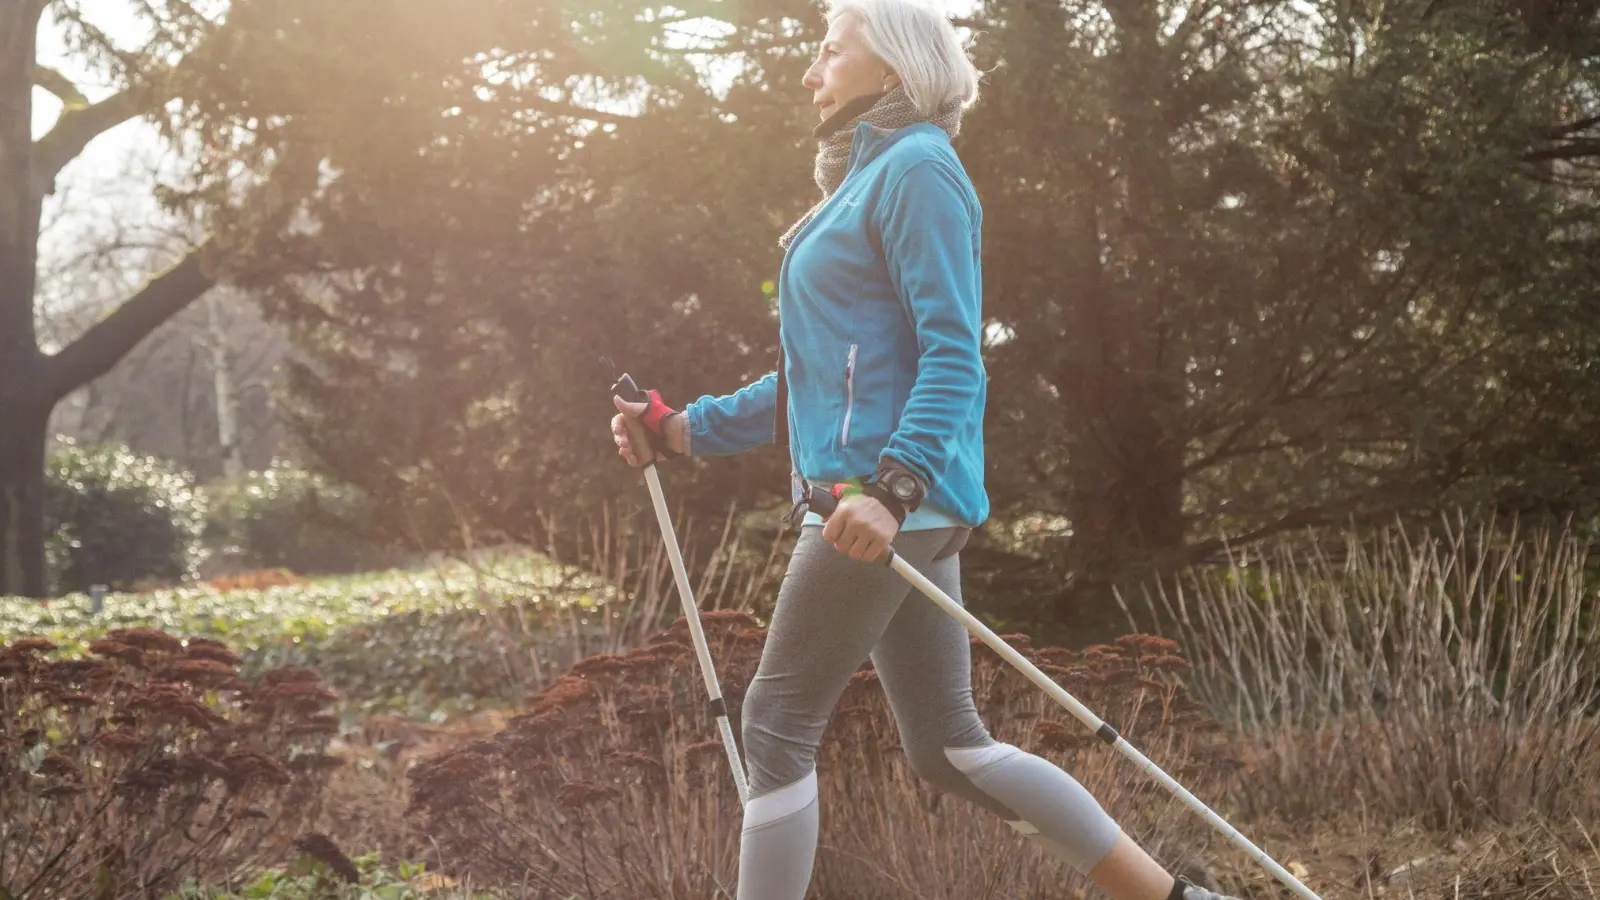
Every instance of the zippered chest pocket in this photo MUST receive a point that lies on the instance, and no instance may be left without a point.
(849, 395)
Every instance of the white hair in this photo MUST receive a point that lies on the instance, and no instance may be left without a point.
(920, 44)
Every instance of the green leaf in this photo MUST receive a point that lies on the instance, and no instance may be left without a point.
(263, 886)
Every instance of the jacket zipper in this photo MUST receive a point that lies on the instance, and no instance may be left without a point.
(849, 395)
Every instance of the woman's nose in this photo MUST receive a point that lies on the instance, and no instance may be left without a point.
(811, 79)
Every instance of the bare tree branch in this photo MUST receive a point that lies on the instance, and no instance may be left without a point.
(77, 127)
(96, 35)
(1575, 149)
(80, 124)
(61, 86)
(107, 341)
(1305, 517)
(1561, 131)
(110, 339)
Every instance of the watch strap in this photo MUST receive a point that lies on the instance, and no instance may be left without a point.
(890, 502)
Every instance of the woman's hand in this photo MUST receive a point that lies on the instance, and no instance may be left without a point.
(632, 436)
(861, 528)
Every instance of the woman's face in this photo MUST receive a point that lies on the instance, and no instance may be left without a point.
(846, 68)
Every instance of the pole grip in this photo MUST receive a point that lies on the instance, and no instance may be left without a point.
(822, 502)
(627, 390)
(631, 392)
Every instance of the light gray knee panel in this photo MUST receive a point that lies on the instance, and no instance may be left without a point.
(777, 805)
(1053, 809)
(778, 846)
(930, 763)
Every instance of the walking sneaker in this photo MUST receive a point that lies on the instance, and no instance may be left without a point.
(1185, 889)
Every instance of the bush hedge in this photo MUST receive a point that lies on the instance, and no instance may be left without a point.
(117, 518)
(286, 517)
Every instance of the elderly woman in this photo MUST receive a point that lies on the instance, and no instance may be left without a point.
(881, 380)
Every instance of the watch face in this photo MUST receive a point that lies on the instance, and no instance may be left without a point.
(904, 488)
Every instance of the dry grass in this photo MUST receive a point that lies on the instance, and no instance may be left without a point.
(612, 783)
(1452, 677)
(1350, 858)
(1344, 856)
(1531, 863)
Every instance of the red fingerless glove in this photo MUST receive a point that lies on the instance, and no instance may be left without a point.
(656, 412)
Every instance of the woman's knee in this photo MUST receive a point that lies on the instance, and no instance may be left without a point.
(774, 749)
(932, 762)
(755, 717)
(929, 762)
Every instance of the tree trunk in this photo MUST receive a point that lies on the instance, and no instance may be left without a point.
(1126, 507)
(22, 451)
(1127, 503)
(222, 381)
(31, 384)
(22, 420)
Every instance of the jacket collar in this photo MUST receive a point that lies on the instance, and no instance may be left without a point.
(870, 141)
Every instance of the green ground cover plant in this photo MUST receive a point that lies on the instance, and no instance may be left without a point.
(425, 643)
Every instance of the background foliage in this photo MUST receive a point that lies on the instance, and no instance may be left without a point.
(1251, 266)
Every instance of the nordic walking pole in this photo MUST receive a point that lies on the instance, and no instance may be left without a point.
(627, 390)
(825, 502)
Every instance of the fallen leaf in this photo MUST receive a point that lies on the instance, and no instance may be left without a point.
(433, 881)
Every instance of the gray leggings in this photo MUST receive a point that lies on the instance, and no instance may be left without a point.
(832, 613)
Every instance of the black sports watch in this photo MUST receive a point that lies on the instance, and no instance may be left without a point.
(897, 489)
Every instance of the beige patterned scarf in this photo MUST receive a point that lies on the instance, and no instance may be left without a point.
(892, 110)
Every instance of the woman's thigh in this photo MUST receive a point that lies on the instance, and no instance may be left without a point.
(831, 612)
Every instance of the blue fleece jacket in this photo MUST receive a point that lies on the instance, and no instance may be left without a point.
(879, 304)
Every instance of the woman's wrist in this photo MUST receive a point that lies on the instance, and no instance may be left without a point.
(675, 429)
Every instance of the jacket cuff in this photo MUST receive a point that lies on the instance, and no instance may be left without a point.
(693, 418)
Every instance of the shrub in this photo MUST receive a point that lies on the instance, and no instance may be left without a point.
(612, 782)
(1451, 676)
(117, 518)
(288, 518)
(148, 761)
